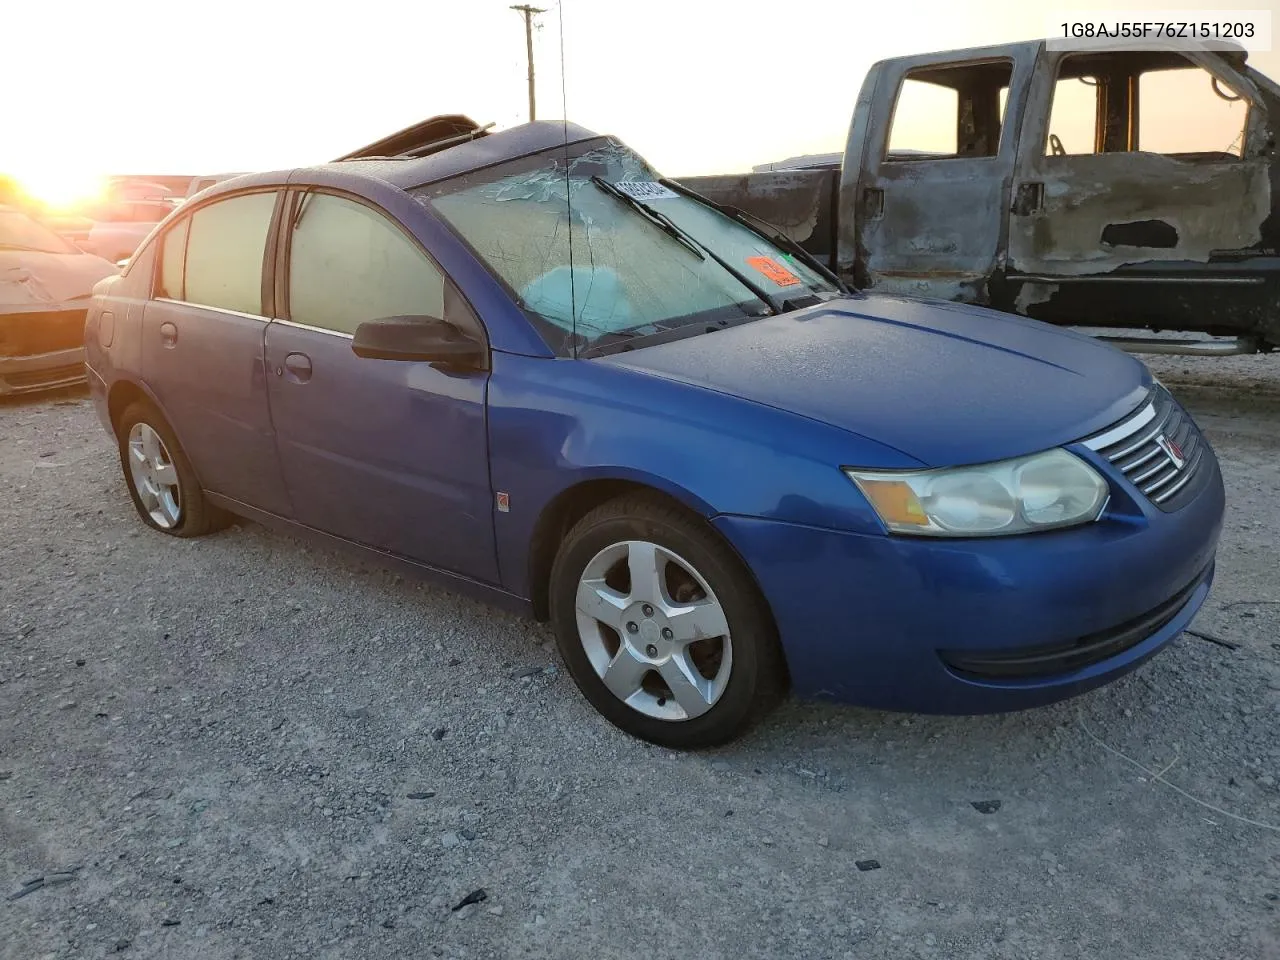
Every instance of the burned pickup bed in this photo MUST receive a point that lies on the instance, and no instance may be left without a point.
(1100, 187)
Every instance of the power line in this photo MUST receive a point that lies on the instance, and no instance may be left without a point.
(529, 12)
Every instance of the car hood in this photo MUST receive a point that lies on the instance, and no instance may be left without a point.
(944, 383)
(29, 278)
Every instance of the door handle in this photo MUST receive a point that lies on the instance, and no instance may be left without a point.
(299, 367)
(168, 334)
(872, 203)
(1027, 199)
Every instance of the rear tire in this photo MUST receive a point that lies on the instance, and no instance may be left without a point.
(160, 478)
(662, 626)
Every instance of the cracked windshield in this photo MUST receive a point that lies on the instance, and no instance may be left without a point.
(644, 259)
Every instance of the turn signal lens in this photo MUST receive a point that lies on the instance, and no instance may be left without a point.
(895, 501)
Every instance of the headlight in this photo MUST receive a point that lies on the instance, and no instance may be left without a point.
(1039, 492)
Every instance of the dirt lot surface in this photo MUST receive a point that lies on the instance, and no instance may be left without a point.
(242, 747)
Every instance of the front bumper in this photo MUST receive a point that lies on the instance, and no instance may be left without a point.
(981, 625)
(41, 371)
(41, 347)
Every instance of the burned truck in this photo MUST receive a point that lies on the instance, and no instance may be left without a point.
(1126, 189)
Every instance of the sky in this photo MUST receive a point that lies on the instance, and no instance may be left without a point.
(696, 86)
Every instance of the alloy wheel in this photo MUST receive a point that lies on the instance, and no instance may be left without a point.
(154, 476)
(654, 630)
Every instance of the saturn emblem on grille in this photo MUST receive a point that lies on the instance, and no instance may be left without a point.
(1172, 451)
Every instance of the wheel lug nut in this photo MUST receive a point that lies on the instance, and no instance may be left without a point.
(651, 650)
(667, 634)
(632, 626)
(648, 610)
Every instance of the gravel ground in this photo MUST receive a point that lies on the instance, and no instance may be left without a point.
(244, 747)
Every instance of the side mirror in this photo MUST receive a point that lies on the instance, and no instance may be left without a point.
(420, 338)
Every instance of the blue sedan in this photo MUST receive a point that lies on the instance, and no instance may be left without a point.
(527, 365)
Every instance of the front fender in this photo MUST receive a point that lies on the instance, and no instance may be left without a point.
(557, 423)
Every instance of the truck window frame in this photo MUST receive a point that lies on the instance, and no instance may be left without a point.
(954, 70)
(1107, 128)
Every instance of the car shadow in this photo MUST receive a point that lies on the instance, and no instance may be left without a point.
(65, 396)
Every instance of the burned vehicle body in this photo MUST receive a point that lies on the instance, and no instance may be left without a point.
(45, 285)
(1061, 187)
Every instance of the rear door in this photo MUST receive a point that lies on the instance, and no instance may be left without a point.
(202, 346)
(387, 453)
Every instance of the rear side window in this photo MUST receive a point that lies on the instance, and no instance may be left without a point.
(214, 257)
(349, 263)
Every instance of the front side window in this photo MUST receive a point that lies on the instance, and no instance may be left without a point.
(349, 263)
(628, 272)
(1188, 113)
(1073, 117)
(224, 244)
(1153, 102)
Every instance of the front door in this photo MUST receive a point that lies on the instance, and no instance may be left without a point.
(388, 453)
(1142, 181)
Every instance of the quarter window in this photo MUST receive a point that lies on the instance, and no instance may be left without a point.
(348, 264)
(173, 250)
(214, 257)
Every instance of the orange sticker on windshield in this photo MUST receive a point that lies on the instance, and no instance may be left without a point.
(775, 271)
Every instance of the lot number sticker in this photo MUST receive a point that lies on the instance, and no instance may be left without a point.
(645, 190)
(775, 271)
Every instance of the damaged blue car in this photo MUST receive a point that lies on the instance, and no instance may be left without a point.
(525, 364)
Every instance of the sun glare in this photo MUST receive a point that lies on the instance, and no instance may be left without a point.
(60, 189)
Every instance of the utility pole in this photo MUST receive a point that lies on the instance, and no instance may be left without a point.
(529, 12)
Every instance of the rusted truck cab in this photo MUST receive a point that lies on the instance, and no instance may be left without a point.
(1103, 188)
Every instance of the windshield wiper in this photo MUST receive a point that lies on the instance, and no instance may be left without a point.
(661, 220)
(765, 229)
(668, 226)
(606, 343)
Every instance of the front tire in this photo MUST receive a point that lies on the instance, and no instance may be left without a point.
(161, 480)
(662, 626)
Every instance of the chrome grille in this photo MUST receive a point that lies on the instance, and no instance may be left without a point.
(1159, 449)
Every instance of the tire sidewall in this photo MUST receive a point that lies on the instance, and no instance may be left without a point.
(724, 573)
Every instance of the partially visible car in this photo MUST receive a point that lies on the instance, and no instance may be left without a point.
(114, 230)
(45, 285)
(204, 183)
(135, 188)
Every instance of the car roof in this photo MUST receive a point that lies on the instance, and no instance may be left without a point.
(409, 172)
